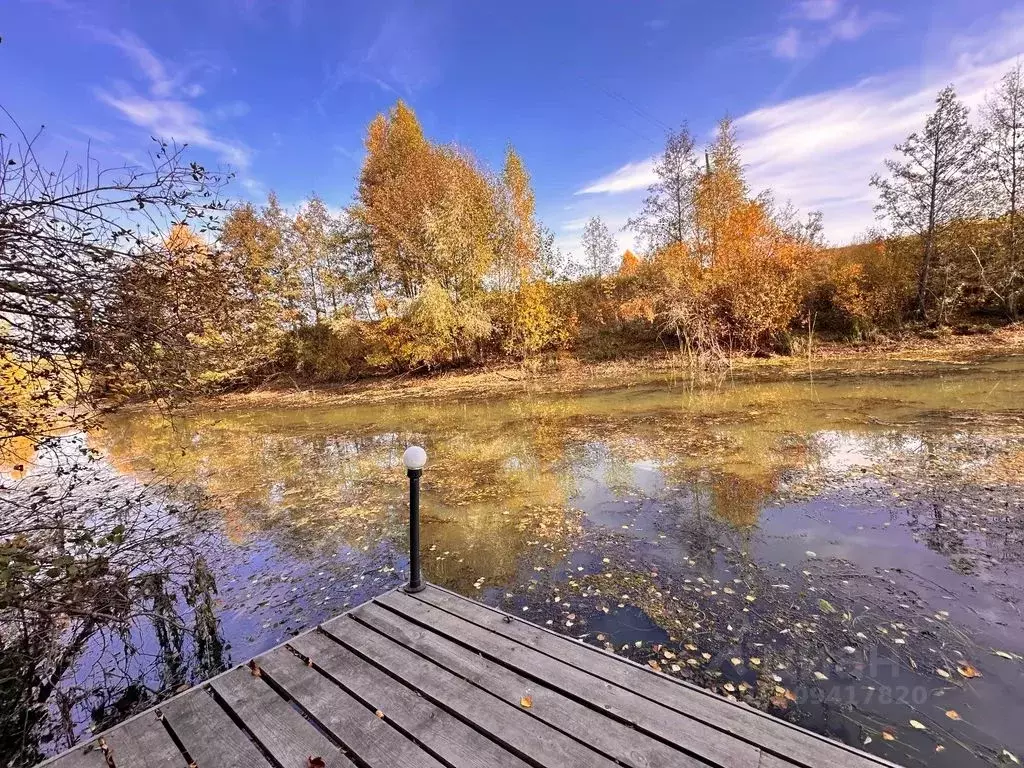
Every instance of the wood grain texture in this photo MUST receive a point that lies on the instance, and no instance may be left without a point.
(275, 724)
(685, 733)
(87, 756)
(756, 728)
(511, 726)
(210, 736)
(447, 737)
(614, 739)
(143, 742)
(377, 744)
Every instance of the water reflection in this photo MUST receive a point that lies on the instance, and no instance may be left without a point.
(649, 514)
(107, 598)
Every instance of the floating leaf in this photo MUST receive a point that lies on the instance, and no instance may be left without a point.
(968, 671)
(736, 661)
(526, 702)
(820, 676)
(919, 725)
(826, 606)
(1004, 654)
(888, 735)
(755, 661)
(1008, 755)
(952, 714)
(942, 673)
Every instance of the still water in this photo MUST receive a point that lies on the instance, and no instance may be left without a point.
(845, 551)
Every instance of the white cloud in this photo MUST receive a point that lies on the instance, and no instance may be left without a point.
(814, 25)
(820, 150)
(630, 176)
(175, 120)
(787, 45)
(167, 112)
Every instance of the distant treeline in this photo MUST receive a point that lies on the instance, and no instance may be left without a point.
(440, 262)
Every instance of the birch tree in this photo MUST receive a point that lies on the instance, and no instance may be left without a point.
(598, 247)
(1003, 116)
(932, 182)
(666, 217)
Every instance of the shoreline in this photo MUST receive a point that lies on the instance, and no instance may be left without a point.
(570, 375)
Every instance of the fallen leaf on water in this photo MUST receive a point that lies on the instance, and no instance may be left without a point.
(790, 695)
(736, 661)
(919, 725)
(939, 748)
(968, 671)
(888, 735)
(653, 664)
(779, 702)
(826, 606)
(729, 687)
(1008, 755)
(751, 598)
(315, 761)
(942, 673)
(755, 661)
(526, 702)
(952, 714)
(867, 739)
(820, 676)
(1004, 654)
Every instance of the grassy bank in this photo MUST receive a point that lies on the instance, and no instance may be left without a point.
(886, 355)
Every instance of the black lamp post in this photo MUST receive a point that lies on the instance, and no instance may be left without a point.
(414, 458)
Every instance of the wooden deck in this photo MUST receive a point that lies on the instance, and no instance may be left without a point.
(434, 679)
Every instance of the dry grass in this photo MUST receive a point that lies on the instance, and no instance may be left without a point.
(569, 374)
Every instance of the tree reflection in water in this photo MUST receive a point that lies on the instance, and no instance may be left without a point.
(106, 600)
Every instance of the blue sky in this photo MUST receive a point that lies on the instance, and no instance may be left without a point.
(585, 90)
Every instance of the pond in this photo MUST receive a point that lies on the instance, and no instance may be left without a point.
(844, 550)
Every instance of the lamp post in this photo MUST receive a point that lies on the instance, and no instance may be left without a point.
(414, 458)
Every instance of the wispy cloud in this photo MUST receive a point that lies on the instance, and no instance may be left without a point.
(814, 25)
(638, 175)
(166, 109)
(820, 150)
(817, 10)
(401, 58)
(787, 45)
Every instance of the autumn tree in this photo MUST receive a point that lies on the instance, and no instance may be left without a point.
(517, 253)
(666, 216)
(67, 234)
(1003, 130)
(932, 183)
(720, 191)
(598, 247)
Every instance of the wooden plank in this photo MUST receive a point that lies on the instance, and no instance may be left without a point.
(688, 734)
(617, 741)
(289, 738)
(210, 736)
(784, 739)
(143, 742)
(87, 756)
(376, 743)
(512, 727)
(449, 738)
